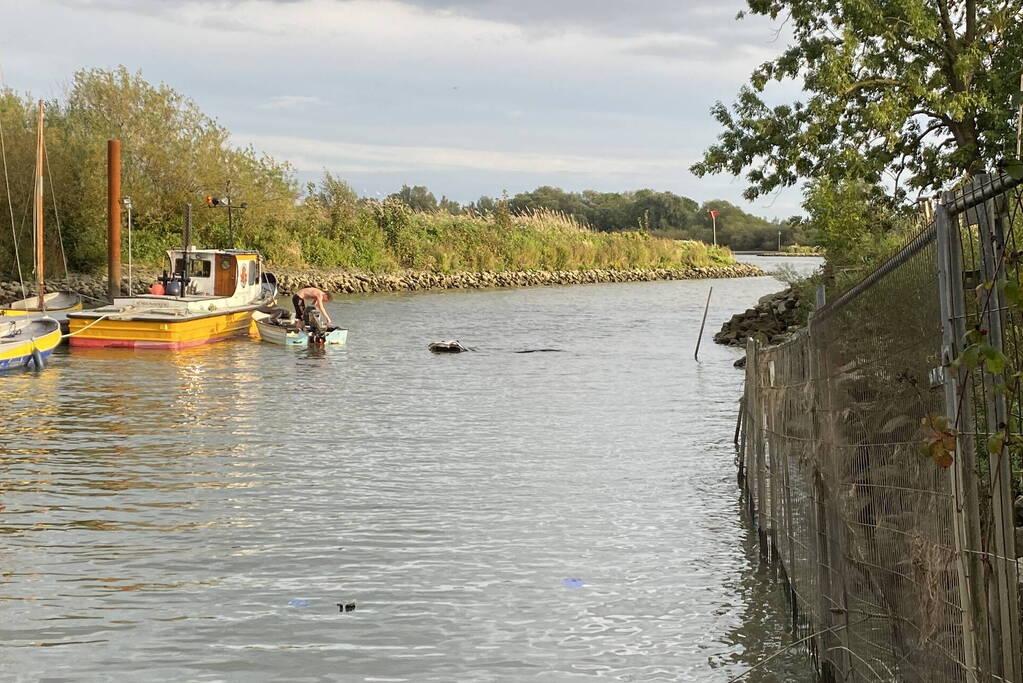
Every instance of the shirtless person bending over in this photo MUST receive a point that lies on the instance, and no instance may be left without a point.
(307, 295)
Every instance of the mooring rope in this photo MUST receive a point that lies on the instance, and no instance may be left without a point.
(71, 334)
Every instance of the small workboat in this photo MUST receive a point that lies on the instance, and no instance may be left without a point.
(27, 341)
(278, 326)
(210, 295)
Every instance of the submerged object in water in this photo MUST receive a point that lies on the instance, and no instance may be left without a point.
(450, 346)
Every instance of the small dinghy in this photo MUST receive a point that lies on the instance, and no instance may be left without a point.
(27, 341)
(278, 326)
(53, 302)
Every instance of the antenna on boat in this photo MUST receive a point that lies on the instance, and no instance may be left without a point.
(227, 202)
(114, 218)
(187, 246)
(126, 203)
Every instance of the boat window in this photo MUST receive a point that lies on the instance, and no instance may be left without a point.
(196, 267)
(254, 272)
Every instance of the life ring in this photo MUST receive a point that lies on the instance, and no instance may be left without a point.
(245, 275)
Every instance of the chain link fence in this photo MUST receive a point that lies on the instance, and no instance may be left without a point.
(879, 455)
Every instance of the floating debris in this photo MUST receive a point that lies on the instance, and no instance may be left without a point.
(573, 583)
(450, 346)
(297, 602)
(346, 607)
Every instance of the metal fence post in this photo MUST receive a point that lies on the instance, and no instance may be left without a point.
(827, 508)
(749, 430)
(774, 467)
(967, 520)
(1005, 575)
(760, 476)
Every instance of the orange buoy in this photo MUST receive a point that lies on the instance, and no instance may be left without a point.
(156, 288)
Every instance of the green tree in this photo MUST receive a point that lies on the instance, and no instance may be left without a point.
(417, 198)
(482, 206)
(552, 198)
(660, 211)
(172, 154)
(855, 222)
(919, 91)
(450, 206)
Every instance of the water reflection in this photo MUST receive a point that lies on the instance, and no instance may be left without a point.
(167, 507)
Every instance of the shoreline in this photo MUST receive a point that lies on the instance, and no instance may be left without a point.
(354, 282)
(775, 253)
(349, 282)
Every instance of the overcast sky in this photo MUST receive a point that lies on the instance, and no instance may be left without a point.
(467, 97)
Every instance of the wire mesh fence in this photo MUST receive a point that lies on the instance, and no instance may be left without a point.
(879, 455)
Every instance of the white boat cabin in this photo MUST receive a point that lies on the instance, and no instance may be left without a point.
(219, 272)
(219, 280)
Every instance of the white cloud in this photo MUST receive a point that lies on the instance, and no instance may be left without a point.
(291, 102)
(463, 92)
(317, 154)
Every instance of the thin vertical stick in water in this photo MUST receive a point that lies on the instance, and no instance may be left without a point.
(696, 355)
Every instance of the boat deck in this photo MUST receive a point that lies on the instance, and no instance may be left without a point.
(158, 313)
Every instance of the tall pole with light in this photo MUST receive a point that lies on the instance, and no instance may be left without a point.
(714, 224)
(230, 222)
(126, 203)
(226, 202)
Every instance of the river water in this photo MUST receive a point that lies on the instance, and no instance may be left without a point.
(488, 516)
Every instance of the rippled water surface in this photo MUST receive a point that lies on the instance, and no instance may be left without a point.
(494, 516)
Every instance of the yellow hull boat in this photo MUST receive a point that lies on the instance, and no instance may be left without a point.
(26, 341)
(210, 296)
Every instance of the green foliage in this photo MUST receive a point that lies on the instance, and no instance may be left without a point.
(919, 90)
(417, 198)
(938, 439)
(855, 223)
(662, 213)
(173, 154)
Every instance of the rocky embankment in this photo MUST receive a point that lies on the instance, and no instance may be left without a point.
(773, 319)
(349, 282)
(92, 289)
(352, 282)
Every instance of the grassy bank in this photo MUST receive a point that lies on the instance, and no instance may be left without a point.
(388, 236)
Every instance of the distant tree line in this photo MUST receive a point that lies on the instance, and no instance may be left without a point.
(661, 213)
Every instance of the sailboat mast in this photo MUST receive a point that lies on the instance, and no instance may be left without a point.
(40, 264)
